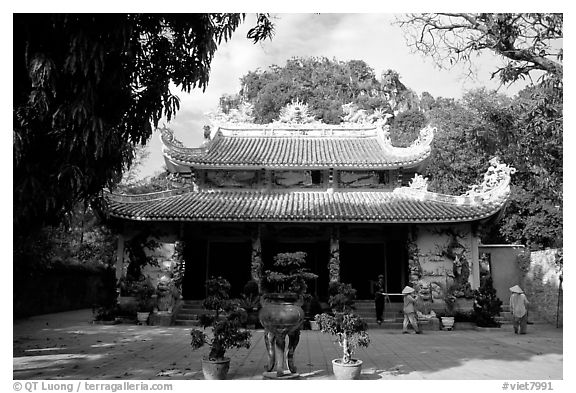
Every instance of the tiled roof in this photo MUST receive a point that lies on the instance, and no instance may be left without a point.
(361, 148)
(305, 206)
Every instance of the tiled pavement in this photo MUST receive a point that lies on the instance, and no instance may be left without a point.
(67, 346)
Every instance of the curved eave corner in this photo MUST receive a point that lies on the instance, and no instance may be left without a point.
(181, 158)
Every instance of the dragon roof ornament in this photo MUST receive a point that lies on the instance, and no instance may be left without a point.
(495, 175)
(494, 189)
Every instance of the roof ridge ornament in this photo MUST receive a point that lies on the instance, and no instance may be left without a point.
(419, 183)
(496, 174)
(353, 114)
(296, 112)
(495, 187)
(425, 137)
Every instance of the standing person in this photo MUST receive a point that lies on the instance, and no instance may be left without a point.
(379, 298)
(519, 309)
(409, 311)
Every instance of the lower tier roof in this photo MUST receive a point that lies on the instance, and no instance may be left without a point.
(302, 206)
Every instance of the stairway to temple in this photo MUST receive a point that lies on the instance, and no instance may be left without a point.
(190, 310)
(392, 316)
(188, 313)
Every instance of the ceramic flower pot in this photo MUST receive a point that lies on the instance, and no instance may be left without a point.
(280, 313)
(347, 371)
(142, 317)
(447, 323)
(215, 369)
(314, 325)
(282, 317)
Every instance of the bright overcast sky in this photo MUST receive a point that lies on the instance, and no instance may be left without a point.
(344, 36)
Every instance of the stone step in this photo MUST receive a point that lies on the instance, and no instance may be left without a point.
(184, 322)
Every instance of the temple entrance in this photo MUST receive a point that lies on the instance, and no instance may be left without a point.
(362, 262)
(230, 261)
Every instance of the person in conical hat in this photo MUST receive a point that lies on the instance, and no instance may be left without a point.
(519, 309)
(410, 311)
(407, 290)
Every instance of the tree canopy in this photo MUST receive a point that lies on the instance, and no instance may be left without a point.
(526, 131)
(89, 87)
(527, 41)
(324, 84)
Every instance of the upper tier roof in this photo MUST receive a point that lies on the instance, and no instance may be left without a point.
(412, 204)
(279, 146)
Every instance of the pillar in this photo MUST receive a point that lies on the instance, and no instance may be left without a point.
(475, 263)
(257, 264)
(120, 258)
(334, 263)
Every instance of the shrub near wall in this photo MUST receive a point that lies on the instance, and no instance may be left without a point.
(541, 284)
(62, 288)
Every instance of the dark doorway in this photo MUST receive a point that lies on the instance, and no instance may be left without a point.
(232, 262)
(361, 263)
(195, 269)
(317, 256)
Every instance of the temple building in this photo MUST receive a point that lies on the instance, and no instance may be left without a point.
(343, 194)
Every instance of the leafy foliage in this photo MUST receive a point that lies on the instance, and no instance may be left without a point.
(289, 275)
(486, 304)
(485, 124)
(349, 330)
(406, 127)
(89, 87)
(325, 85)
(136, 250)
(342, 297)
(218, 295)
(226, 333)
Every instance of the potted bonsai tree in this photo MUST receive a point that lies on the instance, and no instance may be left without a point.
(226, 331)
(281, 313)
(348, 329)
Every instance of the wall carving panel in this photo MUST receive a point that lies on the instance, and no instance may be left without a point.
(364, 179)
(234, 179)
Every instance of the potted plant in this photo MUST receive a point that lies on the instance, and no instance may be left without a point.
(348, 328)
(486, 305)
(226, 331)
(250, 302)
(281, 313)
(144, 291)
(447, 317)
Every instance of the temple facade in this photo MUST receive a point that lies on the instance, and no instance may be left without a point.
(343, 194)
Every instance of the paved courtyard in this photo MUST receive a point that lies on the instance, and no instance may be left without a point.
(67, 346)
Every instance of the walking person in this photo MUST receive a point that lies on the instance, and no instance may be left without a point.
(410, 310)
(519, 309)
(379, 298)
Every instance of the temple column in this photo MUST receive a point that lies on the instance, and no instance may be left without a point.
(120, 258)
(475, 263)
(334, 264)
(257, 265)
